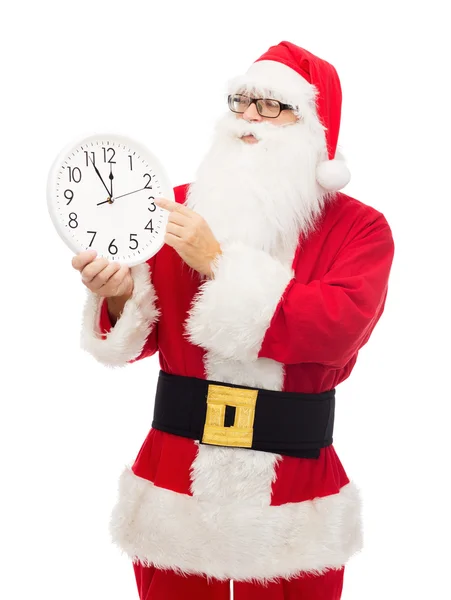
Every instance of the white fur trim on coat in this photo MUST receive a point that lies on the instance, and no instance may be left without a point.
(126, 339)
(231, 313)
(229, 540)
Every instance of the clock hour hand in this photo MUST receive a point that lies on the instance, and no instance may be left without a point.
(100, 177)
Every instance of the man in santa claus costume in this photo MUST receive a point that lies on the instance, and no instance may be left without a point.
(269, 283)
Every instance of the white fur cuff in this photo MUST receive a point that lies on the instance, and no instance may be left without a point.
(232, 312)
(126, 339)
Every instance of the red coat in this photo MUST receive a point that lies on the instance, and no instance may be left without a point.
(298, 327)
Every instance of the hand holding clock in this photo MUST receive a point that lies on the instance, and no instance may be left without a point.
(107, 279)
(187, 232)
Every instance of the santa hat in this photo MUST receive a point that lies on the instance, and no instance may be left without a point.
(310, 84)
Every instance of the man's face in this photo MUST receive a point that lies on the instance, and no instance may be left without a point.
(252, 115)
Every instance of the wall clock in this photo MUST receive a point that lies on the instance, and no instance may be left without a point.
(100, 195)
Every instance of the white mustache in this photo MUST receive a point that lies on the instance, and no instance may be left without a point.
(237, 128)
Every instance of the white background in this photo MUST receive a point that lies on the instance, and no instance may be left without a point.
(68, 424)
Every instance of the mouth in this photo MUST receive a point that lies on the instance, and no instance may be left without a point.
(249, 138)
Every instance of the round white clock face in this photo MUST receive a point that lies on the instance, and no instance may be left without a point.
(101, 193)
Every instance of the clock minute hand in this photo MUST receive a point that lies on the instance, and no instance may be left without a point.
(128, 193)
(100, 176)
(111, 180)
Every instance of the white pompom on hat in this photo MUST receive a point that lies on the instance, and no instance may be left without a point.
(311, 84)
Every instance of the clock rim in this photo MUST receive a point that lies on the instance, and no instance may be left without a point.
(51, 190)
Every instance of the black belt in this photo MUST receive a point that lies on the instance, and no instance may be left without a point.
(224, 414)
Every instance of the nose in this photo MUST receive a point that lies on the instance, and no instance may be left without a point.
(251, 113)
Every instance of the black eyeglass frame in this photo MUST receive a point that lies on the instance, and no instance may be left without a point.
(282, 105)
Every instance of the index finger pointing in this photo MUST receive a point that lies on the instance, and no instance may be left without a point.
(173, 206)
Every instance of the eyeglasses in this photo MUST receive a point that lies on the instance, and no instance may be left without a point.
(266, 107)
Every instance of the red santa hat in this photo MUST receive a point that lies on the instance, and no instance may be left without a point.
(297, 77)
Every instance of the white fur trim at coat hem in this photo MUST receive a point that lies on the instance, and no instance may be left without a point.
(231, 313)
(126, 339)
(169, 530)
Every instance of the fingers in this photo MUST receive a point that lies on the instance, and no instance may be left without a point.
(119, 284)
(82, 259)
(103, 276)
(124, 281)
(113, 280)
(178, 218)
(173, 241)
(176, 230)
(173, 206)
(93, 268)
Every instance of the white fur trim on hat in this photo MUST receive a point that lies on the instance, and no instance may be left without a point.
(283, 82)
(333, 175)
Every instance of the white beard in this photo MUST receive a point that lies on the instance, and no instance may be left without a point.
(263, 194)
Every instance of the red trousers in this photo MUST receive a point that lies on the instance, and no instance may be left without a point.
(155, 584)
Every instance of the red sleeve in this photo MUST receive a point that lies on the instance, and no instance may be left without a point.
(327, 321)
(104, 318)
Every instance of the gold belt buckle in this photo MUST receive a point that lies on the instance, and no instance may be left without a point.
(240, 434)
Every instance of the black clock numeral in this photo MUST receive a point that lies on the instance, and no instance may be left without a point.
(110, 160)
(131, 162)
(93, 157)
(74, 174)
(133, 240)
(73, 219)
(153, 204)
(148, 186)
(95, 233)
(112, 248)
(149, 226)
(69, 195)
